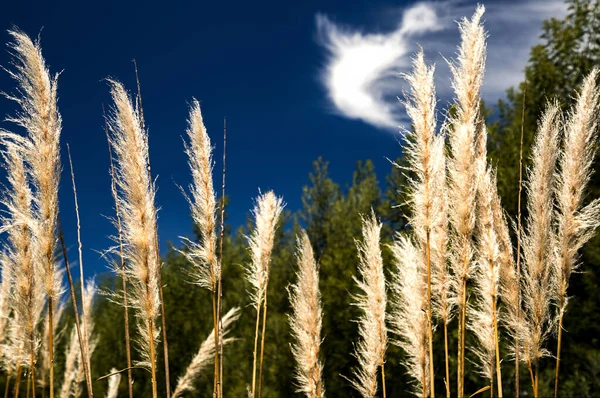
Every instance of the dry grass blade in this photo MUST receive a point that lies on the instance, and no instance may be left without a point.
(205, 354)
(371, 347)
(576, 223)
(408, 317)
(135, 199)
(44, 356)
(305, 321)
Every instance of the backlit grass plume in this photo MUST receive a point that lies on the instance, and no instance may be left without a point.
(39, 116)
(576, 222)
(74, 376)
(463, 170)
(266, 212)
(202, 200)
(408, 317)
(371, 347)
(206, 268)
(425, 154)
(205, 354)
(305, 321)
(509, 281)
(90, 338)
(135, 198)
(113, 384)
(27, 297)
(538, 241)
(483, 314)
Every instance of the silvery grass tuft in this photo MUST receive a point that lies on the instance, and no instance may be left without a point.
(206, 268)
(306, 320)
(135, 199)
(538, 241)
(90, 338)
(425, 153)
(509, 283)
(39, 116)
(205, 354)
(202, 200)
(483, 314)
(27, 298)
(266, 213)
(465, 138)
(408, 317)
(113, 384)
(371, 347)
(74, 376)
(576, 223)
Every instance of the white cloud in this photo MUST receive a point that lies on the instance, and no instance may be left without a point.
(361, 72)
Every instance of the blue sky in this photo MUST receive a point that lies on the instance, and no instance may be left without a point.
(296, 80)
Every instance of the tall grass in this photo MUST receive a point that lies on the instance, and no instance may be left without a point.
(137, 212)
(456, 257)
(266, 212)
(463, 171)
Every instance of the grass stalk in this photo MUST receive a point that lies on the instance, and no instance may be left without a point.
(258, 310)
(152, 358)
(51, 332)
(429, 316)
(447, 381)
(87, 357)
(17, 381)
(216, 388)
(496, 338)
(32, 370)
(77, 322)
(558, 349)
(262, 342)
(221, 236)
(519, 227)
(6, 388)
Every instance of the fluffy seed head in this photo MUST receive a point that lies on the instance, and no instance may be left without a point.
(305, 321)
(266, 212)
(370, 349)
(576, 223)
(408, 317)
(135, 198)
(538, 239)
(205, 354)
(202, 200)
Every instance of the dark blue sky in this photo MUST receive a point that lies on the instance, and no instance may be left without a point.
(258, 63)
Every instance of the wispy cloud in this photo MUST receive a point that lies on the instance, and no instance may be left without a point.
(361, 74)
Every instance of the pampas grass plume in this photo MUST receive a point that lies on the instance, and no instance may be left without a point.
(305, 321)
